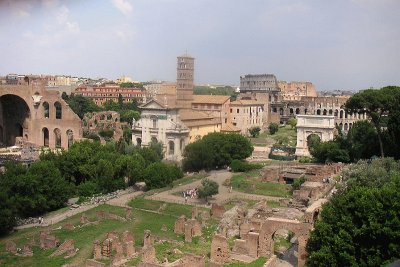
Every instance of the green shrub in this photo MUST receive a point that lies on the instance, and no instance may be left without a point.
(305, 159)
(88, 189)
(298, 182)
(273, 128)
(242, 166)
(107, 134)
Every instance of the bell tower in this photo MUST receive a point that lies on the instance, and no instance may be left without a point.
(184, 81)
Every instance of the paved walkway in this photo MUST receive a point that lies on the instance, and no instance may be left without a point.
(222, 197)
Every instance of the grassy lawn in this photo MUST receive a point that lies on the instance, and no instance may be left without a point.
(251, 183)
(189, 179)
(285, 133)
(256, 263)
(84, 236)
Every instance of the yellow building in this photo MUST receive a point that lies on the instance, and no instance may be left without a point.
(199, 123)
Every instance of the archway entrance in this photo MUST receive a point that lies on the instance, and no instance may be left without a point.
(313, 140)
(14, 116)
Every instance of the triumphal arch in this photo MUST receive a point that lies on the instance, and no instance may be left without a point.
(320, 125)
(31, 114)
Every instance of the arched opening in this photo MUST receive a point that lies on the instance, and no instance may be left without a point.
(336, 113)
(341, 114)
(57, 137)
(313, 140)
(281, 111)
(318, 112)
(305, 111)
(109, 117)
(154, 121)
(330, 112)
(154, 139)
(45, 134)
(341, 126)
(46, 111)
(285, 246)
(346, 114)
(324, 112)
(14, 117)
(346, 127)
(57, 105)
(171, 148)
(70, 136)
(291, 111)
(1, 135)
(274, 110)
(139, 142)
(297, 111)
(102, 117)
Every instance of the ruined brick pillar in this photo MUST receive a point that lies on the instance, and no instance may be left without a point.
(188, 232)
(179, 227)
(96, 250)
(148, 239)
(219, 249)
(106, 248)
(252, 244)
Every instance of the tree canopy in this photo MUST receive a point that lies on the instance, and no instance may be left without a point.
(216, 150)
(360, 226)
(208, 188)
(378, 104)
(273, 128)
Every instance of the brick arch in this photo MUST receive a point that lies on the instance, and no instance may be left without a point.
(271, 225)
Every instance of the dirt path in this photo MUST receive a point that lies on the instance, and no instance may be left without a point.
(222, 197)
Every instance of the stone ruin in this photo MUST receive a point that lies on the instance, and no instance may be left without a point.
(95, 122)
(256, 228)
(217, 211)
(47, 240)
(219, 251)
(190, 228)
(187, 260)
(105, 215)
(128, 213)
(123, 247)
(84, 219)
(67, 248)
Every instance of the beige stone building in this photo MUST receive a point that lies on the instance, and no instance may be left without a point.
(30, 113)
(294, 90)
(245, 114)
(214, 105)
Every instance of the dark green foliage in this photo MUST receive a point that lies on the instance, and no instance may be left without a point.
(255, 131)
(208, 189)
(361, 140)
(273, 128)
(298, 182)
(158, 175)
(216, 150)
(149, 155)
(80, 104)
(360, 226)
(88, 189)
(313, 141)
(92, 136)
(131, 85)
(330, 151)
(205, 90)
(292, 122)
(7, 212)
(382, 107)
(35, 190)
(107, 134)
(242, 166)
(197, 156)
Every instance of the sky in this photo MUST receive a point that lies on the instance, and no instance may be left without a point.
(341, 44)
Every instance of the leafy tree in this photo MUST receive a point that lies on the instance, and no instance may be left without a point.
(377, 104)
(158, 175)
(149, 155)
(120, 101)
(7, 212)
(158, 148)
(330, 151)
(273, 128)
(81, 105)
(216, 150)
(128, 115)
(254, 131)
(208, 189)
(106, 133)
(131, 85)
(197, 156)
(292, 122)
(313, 141)
(360, 226)
(361, 139)
(88, 189)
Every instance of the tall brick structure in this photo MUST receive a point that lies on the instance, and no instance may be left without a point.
(184, 79)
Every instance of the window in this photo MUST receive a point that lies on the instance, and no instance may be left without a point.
(57, 105)
(237, 110)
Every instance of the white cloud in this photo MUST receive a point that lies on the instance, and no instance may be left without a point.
(123, 5)
(50, 3)
(64, 20)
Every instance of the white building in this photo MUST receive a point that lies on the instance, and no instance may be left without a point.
(160, 123)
